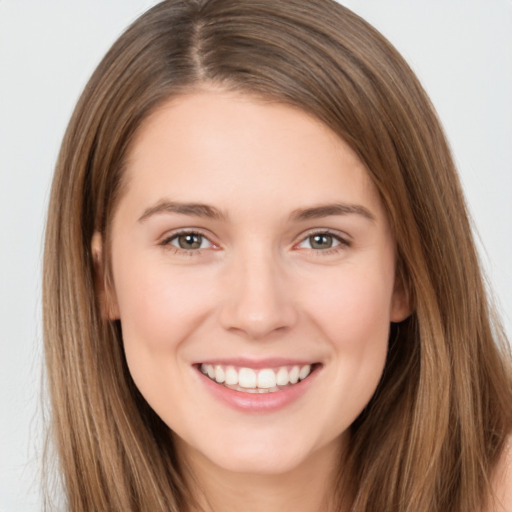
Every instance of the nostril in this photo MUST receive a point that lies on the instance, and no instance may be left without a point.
(257, 319)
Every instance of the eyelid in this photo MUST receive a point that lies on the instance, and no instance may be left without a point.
(343, 238)
(165, 240)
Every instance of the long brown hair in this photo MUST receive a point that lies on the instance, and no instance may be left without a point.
(430, 437)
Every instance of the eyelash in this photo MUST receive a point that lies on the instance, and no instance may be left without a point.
(342, 243)
(166, 243)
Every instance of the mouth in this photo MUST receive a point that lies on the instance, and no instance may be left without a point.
(261, 380)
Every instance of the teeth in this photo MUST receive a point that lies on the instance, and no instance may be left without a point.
(294, 375)
(247, 378)
(231, 376)
(283, 377)
(266, 379)
(256, 381)
(304, 371)
(220, 376)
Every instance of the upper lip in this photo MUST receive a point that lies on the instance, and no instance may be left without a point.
(243, 362)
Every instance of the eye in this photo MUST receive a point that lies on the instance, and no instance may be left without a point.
(188, 241)
(322, 241)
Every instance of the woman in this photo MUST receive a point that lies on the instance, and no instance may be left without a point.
(261, 288)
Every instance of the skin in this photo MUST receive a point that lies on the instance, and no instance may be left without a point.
(257, 288)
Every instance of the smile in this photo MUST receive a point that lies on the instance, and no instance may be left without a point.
(263, 380)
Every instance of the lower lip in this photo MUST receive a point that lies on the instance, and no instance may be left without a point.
(258, 402)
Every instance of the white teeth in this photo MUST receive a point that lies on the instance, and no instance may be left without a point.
(256, 381)
(247, 378)
(294, 375)
(304, 371)
(220, 376)
(266, 379)
(231, 376)
(283, 377)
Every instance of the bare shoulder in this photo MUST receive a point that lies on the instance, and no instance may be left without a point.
(502, 481)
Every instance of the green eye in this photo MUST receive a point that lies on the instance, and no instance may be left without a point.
(189, 241)
(321, 241)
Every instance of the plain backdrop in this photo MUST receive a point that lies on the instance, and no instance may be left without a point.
(461, 50)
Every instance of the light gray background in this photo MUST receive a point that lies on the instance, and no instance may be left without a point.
(461, 50)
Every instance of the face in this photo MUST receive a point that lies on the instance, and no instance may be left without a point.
(253, 270)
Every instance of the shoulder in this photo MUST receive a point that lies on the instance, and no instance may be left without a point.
(502, 482)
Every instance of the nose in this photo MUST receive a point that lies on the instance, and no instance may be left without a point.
(258, 300)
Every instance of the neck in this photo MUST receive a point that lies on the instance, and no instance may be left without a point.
(309, 487)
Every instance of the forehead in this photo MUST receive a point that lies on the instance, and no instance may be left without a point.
(217, 146)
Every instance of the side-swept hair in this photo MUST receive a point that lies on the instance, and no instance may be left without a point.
(430, 437)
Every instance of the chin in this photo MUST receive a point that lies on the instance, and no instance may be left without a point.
(252, 452)
(259, 460)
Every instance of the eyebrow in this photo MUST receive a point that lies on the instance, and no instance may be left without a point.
(300, 214)
(326, 210)
(194, 209)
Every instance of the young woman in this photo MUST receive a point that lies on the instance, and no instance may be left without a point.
(261, 290)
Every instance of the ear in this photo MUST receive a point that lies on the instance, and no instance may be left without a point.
(401, 306)
(104, 291)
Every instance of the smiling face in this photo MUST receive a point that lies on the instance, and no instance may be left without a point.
(250, 248)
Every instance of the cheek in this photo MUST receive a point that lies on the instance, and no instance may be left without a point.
(159, 306)
(355, 308)
(357, 326)
(354, 316)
